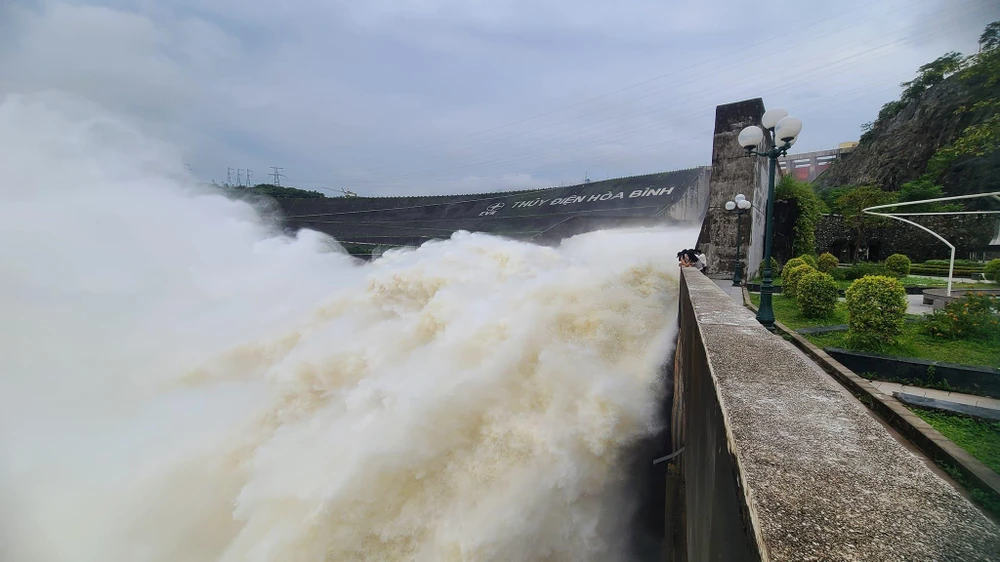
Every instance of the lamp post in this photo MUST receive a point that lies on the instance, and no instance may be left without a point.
(782, 132)
(739, 204)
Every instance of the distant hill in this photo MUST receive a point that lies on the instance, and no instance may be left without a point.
(945, 128)
(276, 191)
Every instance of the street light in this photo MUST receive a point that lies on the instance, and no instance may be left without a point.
(739, 204)
(782, 134)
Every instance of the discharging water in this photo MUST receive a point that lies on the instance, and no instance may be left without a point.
(180, 383)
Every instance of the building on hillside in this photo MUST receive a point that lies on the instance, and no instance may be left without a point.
(807, 166)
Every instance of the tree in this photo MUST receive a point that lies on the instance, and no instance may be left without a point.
(920, 189)
(851, 204)
(271, 190)
(809, 208)
(982, 75)
(931, 74)
(990, 39)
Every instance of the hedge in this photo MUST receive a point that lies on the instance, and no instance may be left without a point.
(943, 271)
(992, 270)
(862, 268)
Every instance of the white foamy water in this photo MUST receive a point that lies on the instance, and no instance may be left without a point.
(181, 383)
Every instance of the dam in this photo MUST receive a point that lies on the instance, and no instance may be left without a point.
(677, 198)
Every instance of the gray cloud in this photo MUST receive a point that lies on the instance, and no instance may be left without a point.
(430, 96)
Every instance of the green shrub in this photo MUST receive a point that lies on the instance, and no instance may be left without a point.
(775, 269)
(817, 294)
(792, 264)
(972, 316)
(827, 262)
(942, 270)
(809, 259)
(898, 264)
(862, 269)
(789, 283)
(839, 274)
(876, 306)
(992, 270)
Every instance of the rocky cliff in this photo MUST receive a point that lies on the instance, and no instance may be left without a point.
(897, 151)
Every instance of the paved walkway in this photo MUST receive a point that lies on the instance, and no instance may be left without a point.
(727, 286)
(943, 395)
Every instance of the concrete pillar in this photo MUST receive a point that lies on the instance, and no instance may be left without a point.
(732, 173)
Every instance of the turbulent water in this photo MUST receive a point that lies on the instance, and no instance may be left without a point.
(180, 382)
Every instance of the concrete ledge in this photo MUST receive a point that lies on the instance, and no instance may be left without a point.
(964, 378)
(947, 406)
(938, 298)
(920, 433)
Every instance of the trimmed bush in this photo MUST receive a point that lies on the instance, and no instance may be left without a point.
(792, 264)
(838, 273)
(958, 263)
(862, 269)
(972, 316)
(827, 262)
(789, 283)
(992, 270)
(809, 259)
(817, 294)
(942, 271)
(775, 270)
(898, 264)
(876, 306)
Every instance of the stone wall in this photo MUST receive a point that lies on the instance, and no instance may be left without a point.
(971, 235)
(778, 462)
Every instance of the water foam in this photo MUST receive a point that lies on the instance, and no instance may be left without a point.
(181, 382)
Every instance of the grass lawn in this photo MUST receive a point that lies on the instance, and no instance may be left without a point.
(980, 438)
(786, 310)
(913, 343)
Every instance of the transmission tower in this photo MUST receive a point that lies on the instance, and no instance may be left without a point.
(277, 175)
(229, 176)
(249, 175)
(239, 177)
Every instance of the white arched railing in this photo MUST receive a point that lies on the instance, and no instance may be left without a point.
(898, 216)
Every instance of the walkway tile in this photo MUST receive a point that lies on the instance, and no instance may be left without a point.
(969, 399)
(991, 403)
(886, 387)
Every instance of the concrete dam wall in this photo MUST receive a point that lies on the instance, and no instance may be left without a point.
(543, 215)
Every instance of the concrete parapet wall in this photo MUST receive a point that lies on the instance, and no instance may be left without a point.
(781, 463)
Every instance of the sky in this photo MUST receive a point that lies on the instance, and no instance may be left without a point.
(411, 97)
